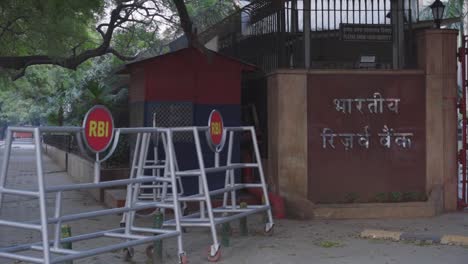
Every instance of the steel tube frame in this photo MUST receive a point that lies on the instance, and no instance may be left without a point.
(47, 246)
(206, 216)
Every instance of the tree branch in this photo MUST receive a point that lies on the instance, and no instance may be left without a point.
(125, 11)
(20, 63)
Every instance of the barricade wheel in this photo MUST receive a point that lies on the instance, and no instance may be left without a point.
(128, 253)
(268, 230)
(149, 251)
(183, 259)
(214, 258)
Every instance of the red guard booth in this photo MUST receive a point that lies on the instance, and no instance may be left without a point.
(181, 88)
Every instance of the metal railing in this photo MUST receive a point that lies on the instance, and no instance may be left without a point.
(270, 34)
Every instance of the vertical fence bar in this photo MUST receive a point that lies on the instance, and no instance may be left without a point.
(58, 225)
(42, 194)
(262, 176)
(341, 11)
(177, 213)
(132, 175)
(385, 11)
(359, 12)
(229, 158)
(378, 11)
(316, 15)
(201, 165)
(6, 161)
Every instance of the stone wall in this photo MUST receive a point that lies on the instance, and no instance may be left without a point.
(288, 137)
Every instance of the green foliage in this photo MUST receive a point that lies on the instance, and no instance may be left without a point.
(395, 197)
(453, 9)
(51, 27)
(411, 196)
(329, 244)
(51, 95)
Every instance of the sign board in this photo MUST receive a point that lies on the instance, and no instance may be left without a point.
(216, 136)
(369, 132)
(98, 128)
(365, 32)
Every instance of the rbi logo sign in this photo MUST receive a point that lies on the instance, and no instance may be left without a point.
(216, 136)
(98, 128)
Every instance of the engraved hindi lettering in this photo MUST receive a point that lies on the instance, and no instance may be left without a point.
(376, 105)
(328, 137)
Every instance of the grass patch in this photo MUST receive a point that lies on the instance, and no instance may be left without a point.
(329, 244)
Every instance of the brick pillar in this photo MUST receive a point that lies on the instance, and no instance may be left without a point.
(437, 57)
(287, 139)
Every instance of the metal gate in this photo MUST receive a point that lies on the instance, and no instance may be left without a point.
(462, 176)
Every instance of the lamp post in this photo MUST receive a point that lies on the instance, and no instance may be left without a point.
(437, 12)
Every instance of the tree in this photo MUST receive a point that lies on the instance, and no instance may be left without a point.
(38, 32)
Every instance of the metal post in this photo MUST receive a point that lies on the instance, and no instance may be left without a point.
(6, 161)
(97, 169)
(306, 27)
(58, 212)
(215, 246)
(231, 172)
(42, 198)
(262, 177)
(229, 157)
(177, 214)
(139, 173)
(132, 175)
(158, 245)
(397, 12)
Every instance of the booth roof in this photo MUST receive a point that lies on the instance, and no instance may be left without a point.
(245, 66)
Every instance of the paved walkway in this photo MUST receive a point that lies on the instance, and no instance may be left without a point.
(294, 242)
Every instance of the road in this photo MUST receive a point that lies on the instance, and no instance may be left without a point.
(293, 242)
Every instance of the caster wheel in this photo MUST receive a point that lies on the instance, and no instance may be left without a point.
(183, 259)
(128, 253)
(214, 258)
(149, 251)
(269, 230)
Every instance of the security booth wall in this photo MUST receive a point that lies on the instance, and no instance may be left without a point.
(181, 89)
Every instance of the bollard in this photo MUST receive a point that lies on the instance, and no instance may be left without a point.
(158, 245)
(243, 222)
(225, 233)
(66, 232)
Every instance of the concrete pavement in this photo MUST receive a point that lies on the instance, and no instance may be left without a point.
(293, 241)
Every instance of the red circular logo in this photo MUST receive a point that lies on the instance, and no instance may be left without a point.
(98, 128)
(216, 127)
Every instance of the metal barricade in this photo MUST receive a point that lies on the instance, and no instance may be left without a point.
(130, 234)
(208, 216)
(158, 165)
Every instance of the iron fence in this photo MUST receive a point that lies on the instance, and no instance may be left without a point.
(270, 33)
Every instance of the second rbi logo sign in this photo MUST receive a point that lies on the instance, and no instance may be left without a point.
(98, 128)
(216, 135)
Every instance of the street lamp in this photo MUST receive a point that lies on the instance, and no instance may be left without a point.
(437, 12)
